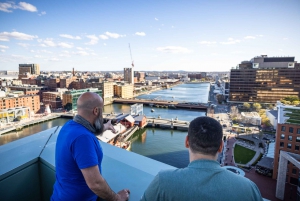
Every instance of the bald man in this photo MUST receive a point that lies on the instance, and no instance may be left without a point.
(79, 155)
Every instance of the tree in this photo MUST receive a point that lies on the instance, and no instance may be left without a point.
(270, 106)
(247, 106)
(257, 106)
(296, 102)
(291, 98)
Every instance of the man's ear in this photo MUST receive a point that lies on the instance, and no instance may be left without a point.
(187, 145)
(221, 147)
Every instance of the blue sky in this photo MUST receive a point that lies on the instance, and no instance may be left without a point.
(194, 35)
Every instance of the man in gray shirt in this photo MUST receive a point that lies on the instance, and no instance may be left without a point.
(203, 179)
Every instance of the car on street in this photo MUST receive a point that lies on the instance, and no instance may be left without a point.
(241, 125)
(255, 137)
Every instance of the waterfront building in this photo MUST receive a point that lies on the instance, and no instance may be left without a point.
(12, 114)
(14, 100)
(53, 99)
(70, 97)
(288, 139)
(265, 79)
(24, 69)
(123, 91)
(108, 92)
(128, 75)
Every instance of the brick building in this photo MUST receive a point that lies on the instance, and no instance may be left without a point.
(54, 99)
(31, 101)
(287, 139)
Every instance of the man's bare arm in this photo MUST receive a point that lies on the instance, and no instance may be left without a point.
(100, 187)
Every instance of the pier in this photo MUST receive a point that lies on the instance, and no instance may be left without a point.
(167, 123)
(162, 103)
(21, 125)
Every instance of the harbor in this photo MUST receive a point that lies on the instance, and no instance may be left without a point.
(151, 140)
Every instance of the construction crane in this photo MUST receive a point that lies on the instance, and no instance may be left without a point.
(132, 64)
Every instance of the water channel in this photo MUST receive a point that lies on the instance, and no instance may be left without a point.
(163, 145)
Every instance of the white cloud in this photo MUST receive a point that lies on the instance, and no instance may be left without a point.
(156, 19)
(260, 35)
(52, 59)
(24, 44)
(93, 41)
(104, 37)
(230, 41)
(280, 50)
(50, 43)
(173, 49)
(2, 50)
(285, 38)
(207, 42)
(82, 53)
(65, 45)
(114, 35)
(27, 7)
(104, 44)
(172, 26)
(70, 36)
(4, 47)
(42, 13)
(38, 56)
(8, 6)
(140, 34)
(6, 36)
(249, 37)
(79, 48)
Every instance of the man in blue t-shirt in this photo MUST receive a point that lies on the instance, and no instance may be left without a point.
(79, 155)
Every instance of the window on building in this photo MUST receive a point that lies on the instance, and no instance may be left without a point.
(289, 145)
(290, 138)
(298, 131)
(297, 147)
(291, 129)
(297, 139)
(283, 128)
(282, 136)
(281, 144)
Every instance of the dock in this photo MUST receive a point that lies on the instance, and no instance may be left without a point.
(162, 103)
(168, 123)
(21, 125)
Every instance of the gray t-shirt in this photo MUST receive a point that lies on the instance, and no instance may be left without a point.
(201, 180)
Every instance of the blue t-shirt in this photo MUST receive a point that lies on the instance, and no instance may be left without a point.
(76, 148)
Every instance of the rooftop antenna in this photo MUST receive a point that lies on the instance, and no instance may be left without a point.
(132, 64)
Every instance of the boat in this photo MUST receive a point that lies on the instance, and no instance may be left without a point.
(151, 104)
(172, 106)
(152, 110)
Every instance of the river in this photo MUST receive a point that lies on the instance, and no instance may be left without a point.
(163, 145)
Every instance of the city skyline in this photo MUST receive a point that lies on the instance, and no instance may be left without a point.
(164, 36)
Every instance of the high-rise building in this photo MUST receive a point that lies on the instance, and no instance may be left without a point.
(287, 139)
(33, 69)
(128, 75)
(265, 79)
